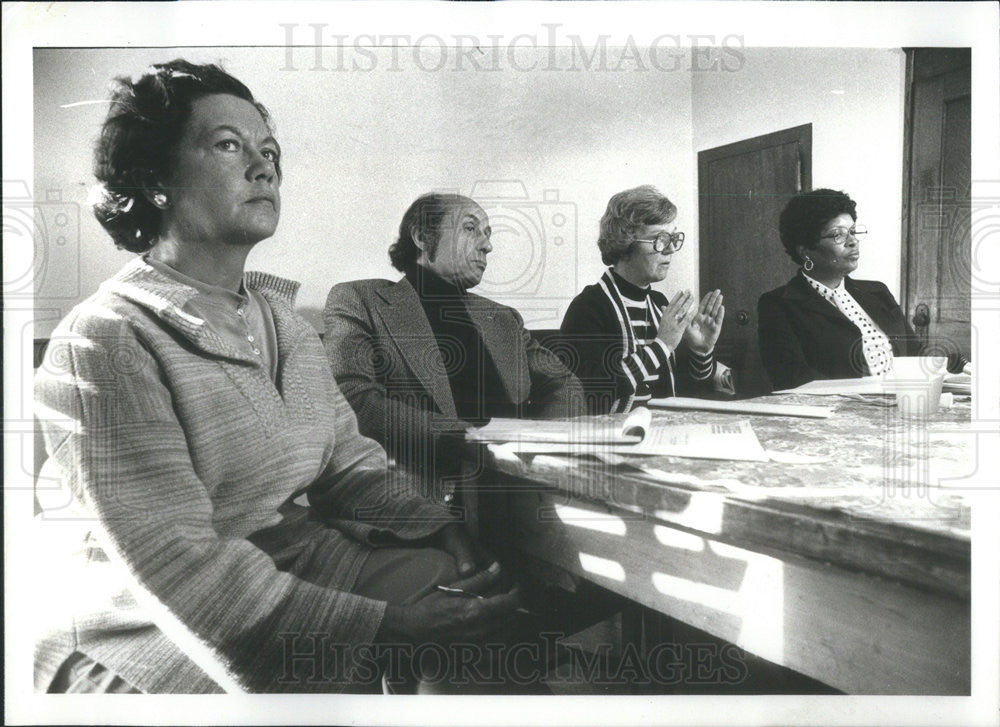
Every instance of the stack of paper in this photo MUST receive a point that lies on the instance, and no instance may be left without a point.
(579, 431)
(742, 407)
(836, 387)
(957, 383)
(636, 435)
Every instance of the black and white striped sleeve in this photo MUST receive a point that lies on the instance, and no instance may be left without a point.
(701, 366)
(644, 365)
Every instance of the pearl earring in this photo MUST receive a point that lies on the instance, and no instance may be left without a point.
(160, 200)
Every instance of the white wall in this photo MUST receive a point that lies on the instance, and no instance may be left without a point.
(853, 98)
(359, 146)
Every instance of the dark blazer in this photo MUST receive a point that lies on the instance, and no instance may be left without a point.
(387, 363)
(803, 337)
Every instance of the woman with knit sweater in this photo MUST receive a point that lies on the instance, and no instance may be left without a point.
(228, 513)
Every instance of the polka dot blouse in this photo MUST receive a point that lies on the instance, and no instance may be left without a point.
(874, 343)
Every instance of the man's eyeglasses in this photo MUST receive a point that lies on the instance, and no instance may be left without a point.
(666, 242)
(840, 234)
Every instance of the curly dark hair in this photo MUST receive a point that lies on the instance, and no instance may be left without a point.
(136, 147)
(628, 212)
(424, 217)
(805, 216)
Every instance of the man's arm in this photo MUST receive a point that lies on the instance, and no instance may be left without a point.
(359, 367)
(555, 391)
(359, 495)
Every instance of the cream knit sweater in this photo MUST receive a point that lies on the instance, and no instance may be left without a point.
(176, 460)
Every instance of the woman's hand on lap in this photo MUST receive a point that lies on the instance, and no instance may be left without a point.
(448, 618)
(455, 540)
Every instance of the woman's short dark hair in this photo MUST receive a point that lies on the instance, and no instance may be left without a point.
(627, 213)
(136, 148)
(424, 217)
(805, 216)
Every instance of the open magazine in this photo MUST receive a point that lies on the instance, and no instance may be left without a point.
(637, 434)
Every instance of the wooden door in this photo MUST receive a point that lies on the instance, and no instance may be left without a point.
(742, 188)
(937, 184)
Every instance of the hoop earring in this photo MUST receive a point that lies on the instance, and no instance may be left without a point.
(808, 265)
(160, 200)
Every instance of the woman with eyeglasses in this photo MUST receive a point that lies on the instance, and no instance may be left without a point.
(626, 342)
(823, 324)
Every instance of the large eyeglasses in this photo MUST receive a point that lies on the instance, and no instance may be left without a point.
(840, 234)
(666, 242)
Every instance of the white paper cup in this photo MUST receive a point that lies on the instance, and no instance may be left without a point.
(918, 398)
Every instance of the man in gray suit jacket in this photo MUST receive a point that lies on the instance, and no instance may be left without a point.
(421, 360)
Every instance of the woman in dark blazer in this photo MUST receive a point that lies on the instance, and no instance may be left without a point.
(823, 324)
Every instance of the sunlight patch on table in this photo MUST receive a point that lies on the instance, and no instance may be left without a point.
(758, 602)
(673, 538)
(600, 521)
(703, 513)
(602, 567)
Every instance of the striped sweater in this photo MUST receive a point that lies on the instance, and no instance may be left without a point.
(174, 459)
(610, 331)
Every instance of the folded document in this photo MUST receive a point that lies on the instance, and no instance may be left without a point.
(958, 383)
(759, 407)
(839, 387)
(636, 435)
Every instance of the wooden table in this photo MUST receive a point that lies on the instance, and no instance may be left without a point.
(854, 570)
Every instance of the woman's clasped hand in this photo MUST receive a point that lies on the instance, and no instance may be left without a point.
(451, 617)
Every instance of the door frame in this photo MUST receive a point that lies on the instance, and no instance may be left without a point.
(906, 236)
